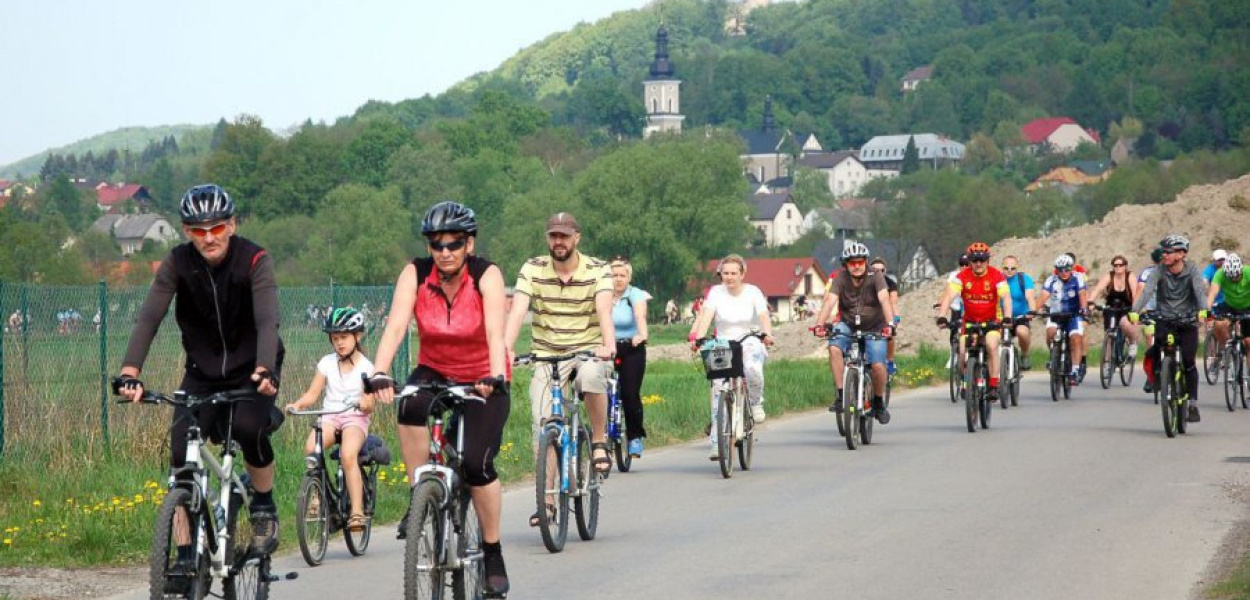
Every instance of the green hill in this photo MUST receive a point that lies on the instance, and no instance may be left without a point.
(126, 138)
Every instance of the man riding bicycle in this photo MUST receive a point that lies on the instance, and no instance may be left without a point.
(862, 303)
(1023, 300)
(1178, 287)
(1220, 327)
(982, 288)
(1230, 282)
(227, 311)
(1065, 291)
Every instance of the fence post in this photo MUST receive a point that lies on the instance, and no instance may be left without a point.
(2, 330)
(334, 295)
(104, 356)
(25, 335)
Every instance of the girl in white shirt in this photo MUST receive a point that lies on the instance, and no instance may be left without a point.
(735, 308)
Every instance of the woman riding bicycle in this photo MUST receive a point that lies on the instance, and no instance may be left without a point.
(338, 373)
(629, 317)
(458, 302)
(1118, 287)
(734, 308)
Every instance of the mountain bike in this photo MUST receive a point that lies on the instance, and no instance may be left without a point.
(733, 426)
(618, 442)
(977, 405)
(443, 542)
(201, 514)
(323, 506)
(1212, 355)
(563, 461)
(1009, 366)
(856, 421)
(1171, 387)
(1060, 363)
(1234, 364)
(1115, 355)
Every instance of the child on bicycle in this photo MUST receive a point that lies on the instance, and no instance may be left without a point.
(338, 374)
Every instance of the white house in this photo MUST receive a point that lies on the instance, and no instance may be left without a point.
(776, 217)
(846, 175)
(1059, 134)
(131, 231)
(886, 152)
(914, 77)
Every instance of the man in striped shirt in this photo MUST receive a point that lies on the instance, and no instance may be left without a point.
(571, 297)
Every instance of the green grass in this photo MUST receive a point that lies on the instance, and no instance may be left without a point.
(1236, 584)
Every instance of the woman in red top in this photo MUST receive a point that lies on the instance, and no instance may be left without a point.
(458, 302)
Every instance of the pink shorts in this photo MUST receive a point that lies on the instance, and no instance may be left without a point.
(342, 421)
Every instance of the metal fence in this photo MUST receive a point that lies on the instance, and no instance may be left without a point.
(61, 345)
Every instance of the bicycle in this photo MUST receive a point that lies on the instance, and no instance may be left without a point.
(322, 507)
(618, 443)
(1115, 355)
(954, 376)
(444, 536)
(1009, 365)
(856, 421)
(202, 511)
(1171, 387)
(1234, 364)
(563, 458)
(734, 426)
(1060, 363)
(977, 404)
(1212, 355)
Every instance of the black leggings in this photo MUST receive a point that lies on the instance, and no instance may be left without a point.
(631, 367)
(483, 425)
(1187, 337)
(253, 423)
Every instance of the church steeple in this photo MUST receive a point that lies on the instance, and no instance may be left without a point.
(660, 68)
(770, 123)
(662, 90)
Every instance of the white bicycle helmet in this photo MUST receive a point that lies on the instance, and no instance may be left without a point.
(1232, 266)
(853, 251)
(206, 203)
(1063, 261)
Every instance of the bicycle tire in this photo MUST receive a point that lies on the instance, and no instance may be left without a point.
(1106, 366)
(1241, 379)
(425, 577)
(1067, 380)
(850, 408)
(250, 579)
(865, 419)
(1210, 356)
(164, 551)
(1126, 370)
(746, 443)
(1166, 402)
(554, 533)
(725, 432)
(1056, 373)
(970, 402)
(1182, 404)
(467, 581)
(953, 373)
(1230, 394)
(586, 502)
(358, 541)
(1014, 388)
(984, 406)
(1004, 378)
(620, 450)
(312, 524)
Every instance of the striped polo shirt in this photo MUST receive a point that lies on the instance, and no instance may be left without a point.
(565, 319)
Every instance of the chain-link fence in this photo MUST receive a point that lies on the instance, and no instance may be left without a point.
(61, 345)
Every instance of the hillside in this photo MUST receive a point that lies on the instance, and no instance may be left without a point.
(132, 138)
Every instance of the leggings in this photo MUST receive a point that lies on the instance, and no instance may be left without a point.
(631, 366)
(1187, 338)
(483, 425)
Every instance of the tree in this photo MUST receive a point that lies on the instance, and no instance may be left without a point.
(64, 199)
(349, 249)
(365, 158)
(982, 154)
(911, 157)
(234, 163)
(811, 189)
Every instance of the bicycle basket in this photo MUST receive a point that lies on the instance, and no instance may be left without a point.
(722, 359)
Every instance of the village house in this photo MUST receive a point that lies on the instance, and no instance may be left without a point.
(132, 231)
(850, 218)
(907, 260)
(1071, 176)
(1057, 134)
(845, 173)
(916, 76)
(775, 218)
(886, 152)
(112, 198)
(782, 281)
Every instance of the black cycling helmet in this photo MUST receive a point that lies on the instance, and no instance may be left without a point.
(452, 217)
(205, 203)
(963, 260)
(1175, 242)
(344, 320)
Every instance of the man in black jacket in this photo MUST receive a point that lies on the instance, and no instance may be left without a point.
(227, 311)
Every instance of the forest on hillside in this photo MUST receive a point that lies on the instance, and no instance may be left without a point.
(556, 127)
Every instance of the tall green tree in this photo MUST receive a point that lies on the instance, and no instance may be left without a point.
(911, 157)
(71, 204)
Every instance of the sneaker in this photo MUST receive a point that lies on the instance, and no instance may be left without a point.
(635, 447)
(948, 363)
(264, 531)
(496, 584)
(836, 406)
(1026, 364)
(757, 413)
(402, 534)
(1149, 389)
(1132, 350)
(1193, 417)
(1074, 378)
(179, 577)
(891, 368)
(714, 455)
(881, 412)
(1080, 371)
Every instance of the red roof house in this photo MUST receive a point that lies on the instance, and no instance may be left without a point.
(1062, 133)
(111, 198)
(781, 280)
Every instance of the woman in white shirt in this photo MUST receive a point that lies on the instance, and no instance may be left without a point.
(735, 308)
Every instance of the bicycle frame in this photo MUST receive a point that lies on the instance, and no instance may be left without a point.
(565, 428)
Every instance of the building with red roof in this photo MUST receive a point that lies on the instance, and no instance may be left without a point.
(112, 198)
(782, 280)
(1061, 134)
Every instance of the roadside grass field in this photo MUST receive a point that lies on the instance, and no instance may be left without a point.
(98, 508)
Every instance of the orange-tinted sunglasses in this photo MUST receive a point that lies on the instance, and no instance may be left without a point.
(200, 232)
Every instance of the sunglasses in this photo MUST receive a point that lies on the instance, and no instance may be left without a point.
(453, 245)
(1064, 270)
(1010, 269)
(200, 232)
(1118, 265)
(856, 263)
(978, 260)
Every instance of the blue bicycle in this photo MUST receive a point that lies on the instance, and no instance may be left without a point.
(617, 440)
(562, 464)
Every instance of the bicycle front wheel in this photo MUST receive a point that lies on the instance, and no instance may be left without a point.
(1167, 401)
(358, 541)
(1057, 375)
(177, 526)
(586, 502)
(972, 395)
(725, 432)
(1126, 369)
(953, 374)
(467, 581)
(312, 523)
(552, 499)
(1107, 364)
(250, 571)
(984, 406)
(1210, 357)
(852, 404)
(425, 576)
(746, 443)
(1230, 390)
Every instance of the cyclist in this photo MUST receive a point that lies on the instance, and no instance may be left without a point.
(955, 300)
(1220, 326)
(734, 308)
(571, 295)
(982, 288)
(1156, 256)
(629, 318)
(1023, 300)
(227, 311)
(338, 374)
(1179, 289)
(1065, 291)
(1235, 288)
(861, 302)
(891, 283)
(458, 301)
(1118, 287)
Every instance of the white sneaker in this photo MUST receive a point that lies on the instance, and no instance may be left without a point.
(948, 363)
(1132, 349)
(757, 413)
(715, 454)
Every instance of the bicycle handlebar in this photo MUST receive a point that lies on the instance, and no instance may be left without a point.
(317, 413)
(181, 398)
(525, 359)
(753, 334)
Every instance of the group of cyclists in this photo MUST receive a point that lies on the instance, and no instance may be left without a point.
(227, 310)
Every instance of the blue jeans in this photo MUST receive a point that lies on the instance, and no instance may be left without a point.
(874, 350)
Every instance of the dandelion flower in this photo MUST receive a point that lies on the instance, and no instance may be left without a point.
(37, 503)
(8, 542)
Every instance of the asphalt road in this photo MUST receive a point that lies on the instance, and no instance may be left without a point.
(1081, 499)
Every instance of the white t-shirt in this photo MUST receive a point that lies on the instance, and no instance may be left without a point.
(735, 316)
(342, 387)
(957, 303)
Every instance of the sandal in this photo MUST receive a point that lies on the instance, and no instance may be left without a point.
(551, 516)
(357, 523)
(603, 464)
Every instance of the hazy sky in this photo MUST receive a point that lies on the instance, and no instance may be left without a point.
(76, 69)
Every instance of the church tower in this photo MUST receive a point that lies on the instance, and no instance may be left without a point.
(661, 91)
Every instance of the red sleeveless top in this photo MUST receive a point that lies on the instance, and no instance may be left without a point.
(452, 333)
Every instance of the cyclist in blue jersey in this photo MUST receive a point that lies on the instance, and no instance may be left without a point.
(1221, 325)
(1023, 300)
(1065, 291)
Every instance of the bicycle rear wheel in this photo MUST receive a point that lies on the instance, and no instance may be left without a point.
(1230, 390)
(746, 443)
(1004, 377)
(953, 374)
(1210, 357)
(586, 502)
(972, 391)
(425, 577)
(725, 431)
(250, 571)
(176, 525)
(984, 406)
(1167, 402)
(1127, 368)
(620, 449)
(312, 523)
(467, 581)
(552, 524)
(850, 410)
(1241, 379)
(358, 541)
(1106, 367)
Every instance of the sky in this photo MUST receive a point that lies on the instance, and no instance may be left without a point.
(76, 69)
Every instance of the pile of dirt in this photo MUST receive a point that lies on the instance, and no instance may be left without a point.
(1212, 216)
